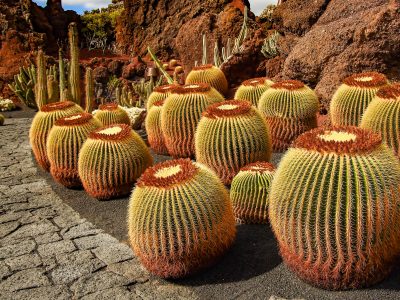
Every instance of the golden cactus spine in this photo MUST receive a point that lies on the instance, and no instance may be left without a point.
(252, 89)
(335, 207)
(153, 128)
(42, 124)
(180, 219)
(111, 113)
(63, 144)
(158, 94)
(181, 113)
(74, 69)
(352, 97)
(111, 160)
(290, 108)
(208, 74)
(231, 135)
(41, 94)
(250, 193)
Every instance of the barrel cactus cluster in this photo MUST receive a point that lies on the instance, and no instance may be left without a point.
(159, 93)
(252, 89)
(153, 127)
(112, 113)
(208, 74)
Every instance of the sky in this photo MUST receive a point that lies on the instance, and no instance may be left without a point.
(80, 6)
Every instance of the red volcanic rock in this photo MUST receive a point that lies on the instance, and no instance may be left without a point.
(101, 74)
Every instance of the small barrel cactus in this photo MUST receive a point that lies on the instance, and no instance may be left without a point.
(231, 135)
(63, 144)
(209, 74)
(250, 193)
(352, 98)
(153, 128)
(181, 113)
(111, 160)
(1, 120)
(252, 89)
(180, 219)
(383, 116)
(111, 113)
(290, 108)
(159, 93)
(335, 207)
(42, 124)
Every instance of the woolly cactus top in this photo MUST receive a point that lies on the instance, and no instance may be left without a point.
(291, 85)
(259, 167)
(108, 106)
(192, 88)
(230, 108)
(168, 174)
(256, 81)
(115, 132)
(164, 89)
(57, 106)
(73, 120)
(339, 140)
(366, 80)
(390, 92)
(203, 67)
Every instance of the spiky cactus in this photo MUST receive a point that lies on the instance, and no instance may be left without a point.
(74, 70)
(250, 193)
(231, 135)
(209, 74)
(42, 124)
(290, 108)
(181, 113)
(159, 93)
(24, 85)
(252, 89)
(89, 88)
(41, 94)
(153, 128)
(180, 218)
(111, 160)
(111, 113)
(383, 116)
(53, 90)
(335, 207)
(352, 98)
(62, 79)
(63, 144)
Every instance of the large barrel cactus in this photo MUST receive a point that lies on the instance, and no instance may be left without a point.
(158, 94)
(63, 144)
(352, 98)
(250, 193)
(111, 160)
(383, 116)
(153, 128)
(42, 124)
(290, 108)
(231, 135)
(335, 207)
(209, 74)
(180, 219)
(111, 113)
(252, 89)
(181, 113)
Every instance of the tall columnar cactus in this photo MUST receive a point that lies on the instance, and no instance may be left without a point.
(111, 113)
(383, 116)
(42, 124)
(250, 193)
(290, 108)
(74, 71)
(153, 128)
(62, 79)
(335, 207)
(180, 218)
(352, 98)
(180, 114)
(231, 135)
(209, 74)
(252, 89)
(111, 160)
(89, 87)
(63, 144)
(159, 93)
(53, 90)
(41, 94)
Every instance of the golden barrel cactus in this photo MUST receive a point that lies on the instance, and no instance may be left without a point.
(63, 144)
(111, 160)
(231, 135)
(42, 124)
(208, 74)
(250, 193)
(335, 207)
(180, 219)
(252, 89)
(383, 116)
(158, 94)
(181, 113)
(352, 98)
(111, 113)
(153, 128)
(290, 108)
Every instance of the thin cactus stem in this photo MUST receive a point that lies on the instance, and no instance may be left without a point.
(204, 60)
(62, 79)
(41, 86)
(160, 66)
(89, 89)
(74, 73)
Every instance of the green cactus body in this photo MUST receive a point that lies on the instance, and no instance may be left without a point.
(1, 120)
(250, 193)
(352, 98)
(89, 85)
(42, 124)
(62, 80)
(74, 71)
(180, 219)
(53, 89)
(111, 113)
(290, 108)
(252, 89)
(153, 128)
(159, 93)
(63, 144)
(111, 160)
(208, 74)
(335, 207)
(41, 81)
(181, 113)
